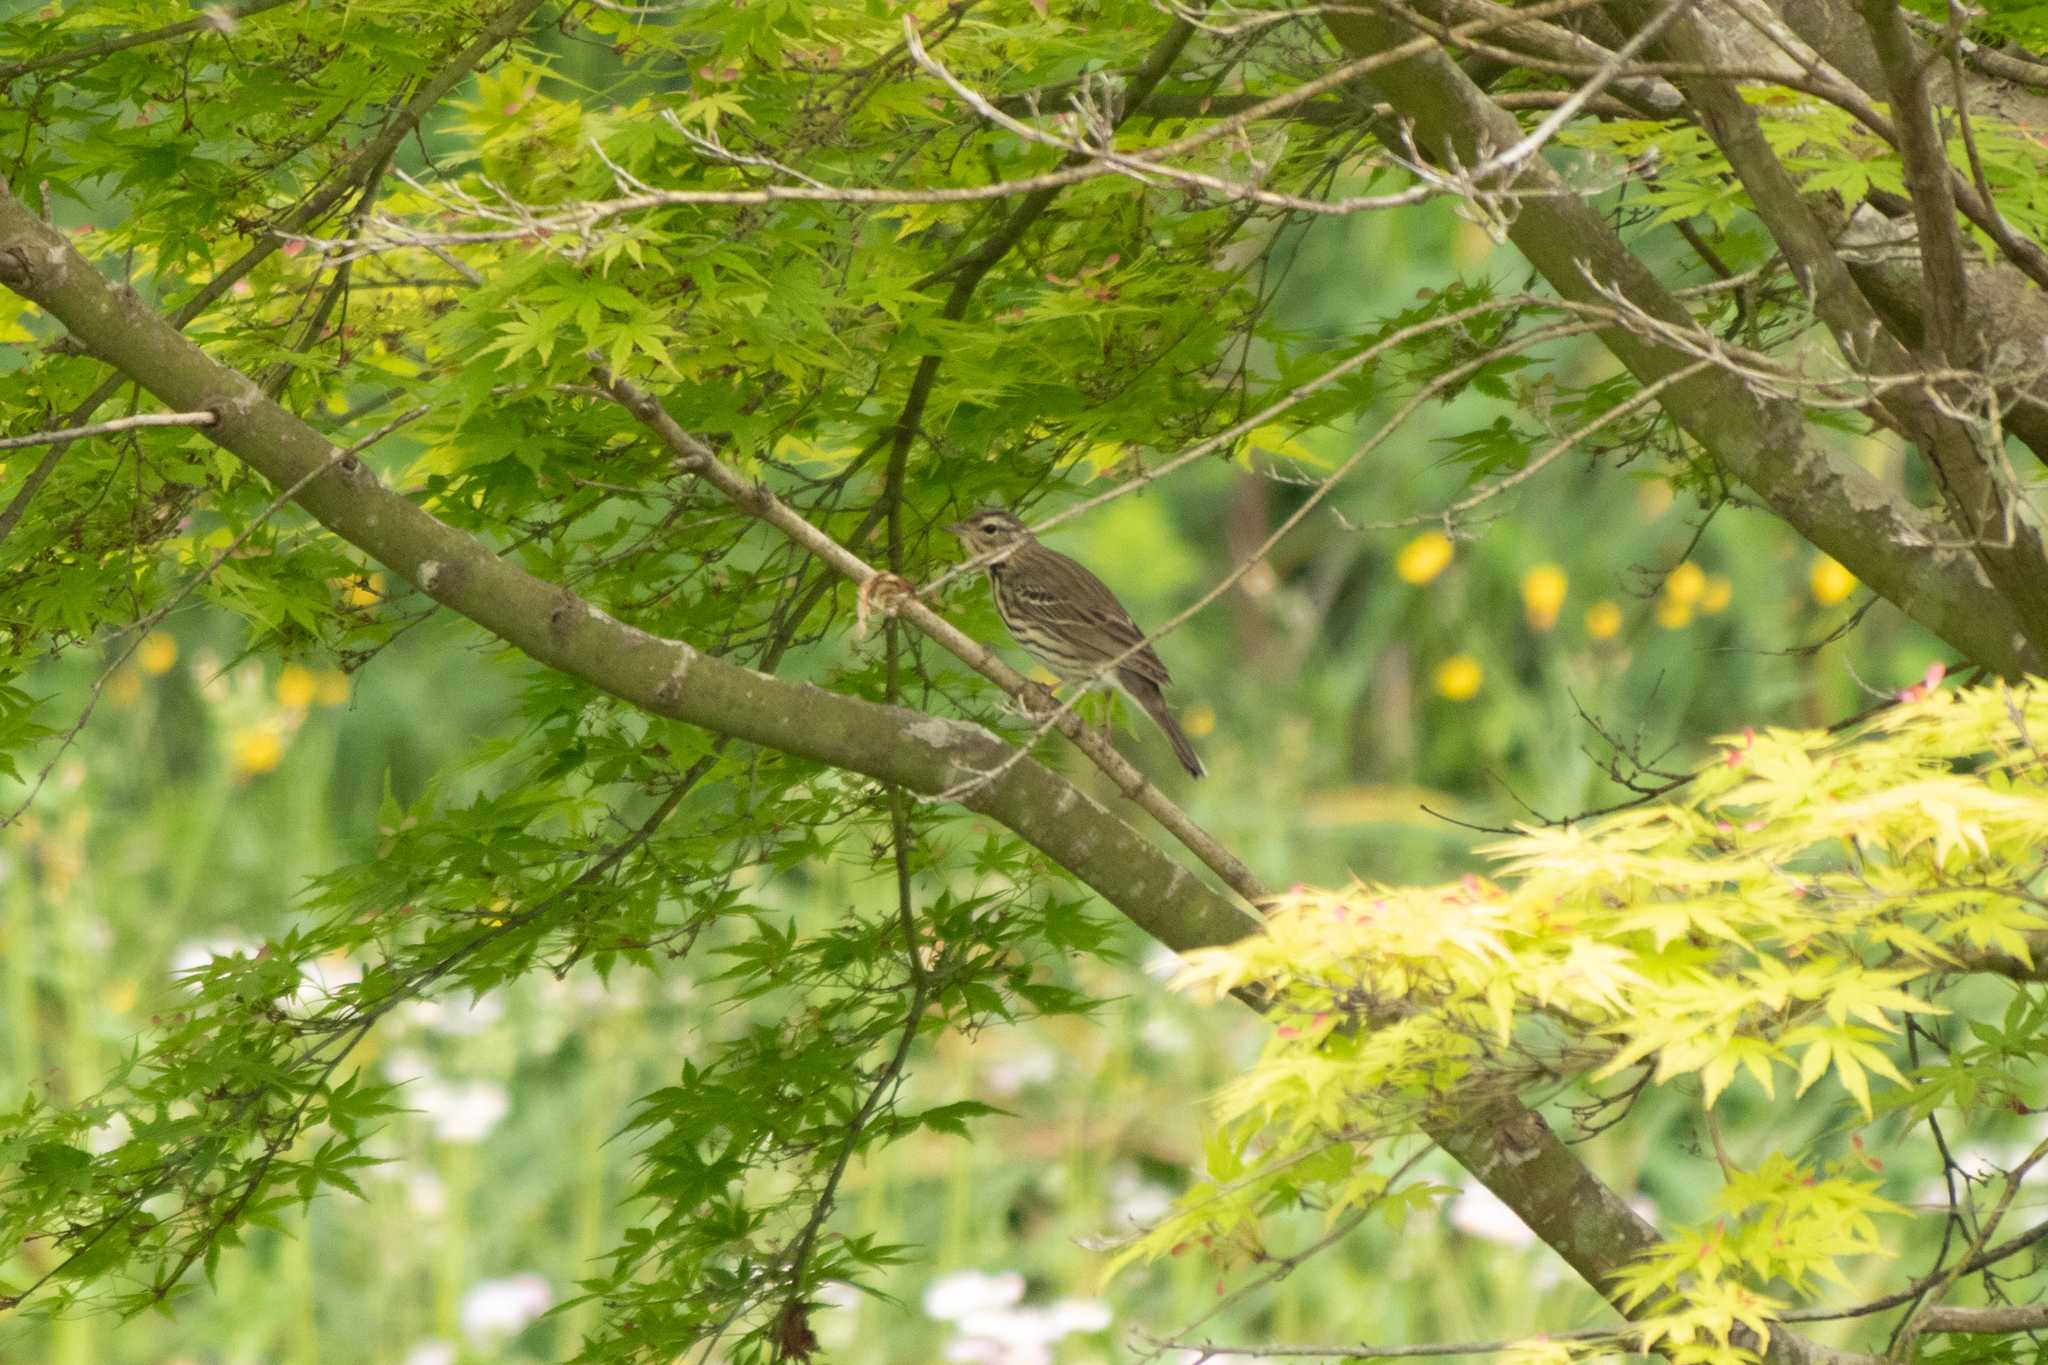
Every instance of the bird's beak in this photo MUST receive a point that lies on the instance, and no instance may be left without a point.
(958, 528)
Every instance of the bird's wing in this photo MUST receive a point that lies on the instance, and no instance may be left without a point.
(1085, 608)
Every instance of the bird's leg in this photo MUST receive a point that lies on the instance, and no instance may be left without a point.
(1036, 697)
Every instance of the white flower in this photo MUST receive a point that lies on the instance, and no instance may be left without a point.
(982, 1351)
(425, 1193)
(1021, 1068)
(432, 1351)
(461, 1111)
(1022, 1336)
(1138, 1201)
(952, 1297)
(493, 1309)
(1166, 1035)
(322, 976)
(1079, 1315)
(992, 1328)
(403, 1066)
(1478, 1212)
(105, 1137)
(457, 1019)
(194, 954)
(1162, 963)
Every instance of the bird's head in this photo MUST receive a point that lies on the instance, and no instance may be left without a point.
(990, 529)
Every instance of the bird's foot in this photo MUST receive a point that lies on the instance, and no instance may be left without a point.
(1036, 698)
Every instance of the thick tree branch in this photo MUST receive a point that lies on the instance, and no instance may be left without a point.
(1822, 49)
(1927, 178)
(1763, 443)
(1986, 512)
(2007, 1318)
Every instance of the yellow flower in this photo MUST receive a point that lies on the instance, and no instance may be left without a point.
(296, 687)
(361, 590)
(1458, 677)
(156, 654)
(1830, 581)
(1673, 615)
(1685, 583)
(1472, 245)
(1719, 592)
(330, 688)
(124, 688)
(1423, 558)
(1603, 619)
(1543, 589)
(255, 751)
(1198, 720)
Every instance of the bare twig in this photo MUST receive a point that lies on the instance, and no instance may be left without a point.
(108, 428)
(1945, 1280)
(1928, 178)
(580, 220)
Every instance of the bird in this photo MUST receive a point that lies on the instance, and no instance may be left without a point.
(1068, 620)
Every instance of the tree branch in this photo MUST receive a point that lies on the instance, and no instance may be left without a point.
(2021, 1317)
(108, 428)
(923, 753)
(1884, 540)
(1987, 513)
(367, 164)
(1927, 178)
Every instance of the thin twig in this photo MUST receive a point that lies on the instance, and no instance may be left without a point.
(108, 428)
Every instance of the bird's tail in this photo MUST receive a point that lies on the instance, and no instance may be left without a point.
(1146, 693)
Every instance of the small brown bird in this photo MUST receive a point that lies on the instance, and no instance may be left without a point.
(1068, 619)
